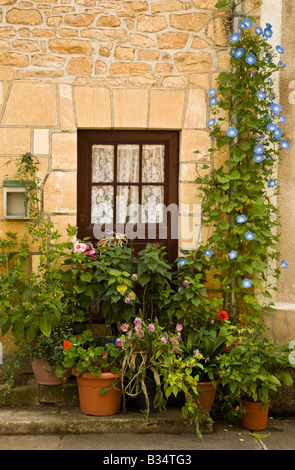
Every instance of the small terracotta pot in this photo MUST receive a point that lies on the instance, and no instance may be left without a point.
(93, 403)
(42, 377)
(255, 418)
(206, 399)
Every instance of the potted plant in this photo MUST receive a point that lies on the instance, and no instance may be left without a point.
(147, 348)
(46, 354)
(96, 367)
(253, 370)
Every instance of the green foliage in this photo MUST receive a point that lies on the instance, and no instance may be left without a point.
(255, 367)
(242, 186)
(87, 354)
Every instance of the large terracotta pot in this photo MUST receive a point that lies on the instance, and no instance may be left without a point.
(42, 377)
(255, 417)
(206, 399)
(93, 403)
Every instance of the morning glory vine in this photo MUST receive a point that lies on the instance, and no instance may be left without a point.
(237, 197)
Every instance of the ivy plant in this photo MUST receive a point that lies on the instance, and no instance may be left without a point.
(239, 196)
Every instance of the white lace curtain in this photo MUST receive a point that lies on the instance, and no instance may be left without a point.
(127, 197)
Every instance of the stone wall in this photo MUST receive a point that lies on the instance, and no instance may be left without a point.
(87, 64)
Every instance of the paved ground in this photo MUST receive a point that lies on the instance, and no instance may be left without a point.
(125, 435)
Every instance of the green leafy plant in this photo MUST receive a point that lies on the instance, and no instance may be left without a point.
(255, 368)
(147, 347)
(50, 348)
(237, 202)
(87, 354)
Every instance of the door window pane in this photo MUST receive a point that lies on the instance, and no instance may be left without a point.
(152, 204)
(153, 163)
(102, 163)
(128, 163)
(127, 204)
(102, 198)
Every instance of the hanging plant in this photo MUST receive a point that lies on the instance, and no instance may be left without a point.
(238, 197)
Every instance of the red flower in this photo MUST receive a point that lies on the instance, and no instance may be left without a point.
(67, 344)
(223, 315)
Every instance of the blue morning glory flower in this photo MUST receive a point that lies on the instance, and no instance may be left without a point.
(261, 95)
(258, 148)
(268, 33)
(232, 254)
(241, 219)
(285, 144)
(271, 183)
(280, 50)
(248, 23)
(246, 283)
(276, 108)
(258, 157)
(258, 30)
(242, 25)
(208, 252)
(235, 37)
(238, 52)
(277, 133)
(182, 262)
(249, 235)
(212, 101)
(250, 59)
(231, 131)
(271, 127)
(269, 80)
(284, 264)
(211, 122)
(212, 91)
(282, 64)
(260, 138)
(268, 25)
(282, 119)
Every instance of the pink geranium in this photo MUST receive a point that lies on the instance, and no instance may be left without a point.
(79, 247)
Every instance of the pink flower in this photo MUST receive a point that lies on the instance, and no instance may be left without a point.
(137, 322)
(178, 327)
(140, 333)
(164, 339)
(134, 277)
(79, 247)
(90, 251)
(152, 328)
(125, 327)
(127, 300)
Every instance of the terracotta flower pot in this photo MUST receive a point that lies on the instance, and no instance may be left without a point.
(93, 403)
(43, 377)
(207, 398)
(255, 418)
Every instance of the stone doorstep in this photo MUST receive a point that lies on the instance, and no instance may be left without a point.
(40, 409)
(69, 420)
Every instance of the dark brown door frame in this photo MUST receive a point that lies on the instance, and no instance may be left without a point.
(87, 138)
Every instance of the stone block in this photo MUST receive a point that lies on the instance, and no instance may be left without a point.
(27, 17)
(41, 141)
(70, 46)
(193, 62)
(188, 21)
(172, 40)
(60, 191)
(166, 109)
(14, 140)
(151, 24)
(93, 107)
(192, 140)
(80, 66)
(66, 110)
(64, 151)
(130, 108)
(31, 104)
(195, 116)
